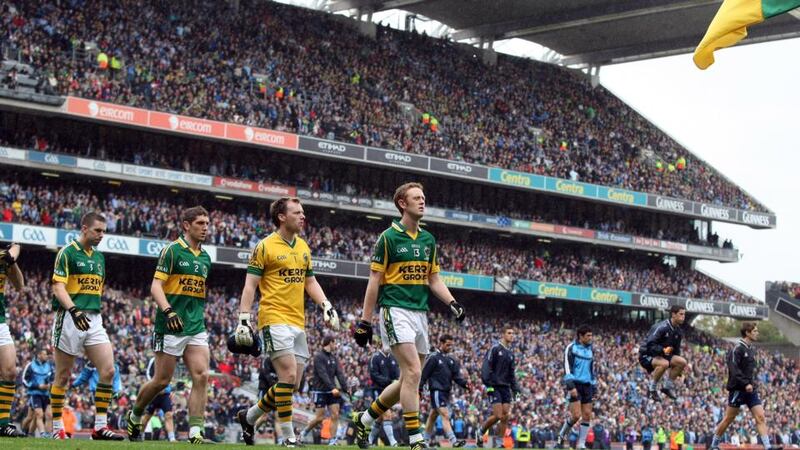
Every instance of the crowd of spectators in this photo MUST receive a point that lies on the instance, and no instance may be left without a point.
(286, 68)
(337, 178)
(151, 212)
(790, 288)
(620, 402)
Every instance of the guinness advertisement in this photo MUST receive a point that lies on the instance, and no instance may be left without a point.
(696, 306)
(332, 148)
(670, 204)
(459, 168)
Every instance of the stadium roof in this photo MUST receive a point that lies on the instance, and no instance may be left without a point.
(584, 32)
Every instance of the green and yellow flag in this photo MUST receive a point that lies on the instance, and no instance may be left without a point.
(730, 24)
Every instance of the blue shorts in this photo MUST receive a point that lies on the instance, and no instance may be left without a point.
(323, 399)
(162, 401)
(440, 399)
(585, 393)
(738, 398)
(501, 394)
(38, 401)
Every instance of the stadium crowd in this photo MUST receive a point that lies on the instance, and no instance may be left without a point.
(151, 212)
(792, 289)
(286, 68)
(620, 404)
(337, 178)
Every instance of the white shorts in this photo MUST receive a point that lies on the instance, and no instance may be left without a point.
(176, 345)
(282, 340)
(72, 341)
(404, 326)
(5, 335)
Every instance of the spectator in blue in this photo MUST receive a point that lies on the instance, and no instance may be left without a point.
(37, 377)
(647, 437)
(459, 426)
(89, 375)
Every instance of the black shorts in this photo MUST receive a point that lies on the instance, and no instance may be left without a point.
(646, 361)
(738, 398)
(501, 394)
(162, 401)
(38, 401)
(585, 393)
(440, 399)
(323, 399)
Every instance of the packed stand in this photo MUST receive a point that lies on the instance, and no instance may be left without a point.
(789, 288)
(336, 237)
(338, 178)
(621, 400)
(287, 68)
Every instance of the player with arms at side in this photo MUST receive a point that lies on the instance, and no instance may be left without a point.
(179, 290)
(439, 372)
(78, 279)
(498, 374)
(9, 270)
(383, 370)
(280, 268)
(327, 371)
(742, 365)
(403, 273)
(580, 384)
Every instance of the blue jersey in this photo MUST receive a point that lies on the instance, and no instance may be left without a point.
(578, 364)
(36, 374)
(89, 375)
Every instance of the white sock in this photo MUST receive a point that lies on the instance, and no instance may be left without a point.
(58, 424)
(373, 434)
(100, 421)
(389, 430)
(367, 420)
(253, 414)
(195, 430)
(171, 436)
(287, 430)
(583, 433)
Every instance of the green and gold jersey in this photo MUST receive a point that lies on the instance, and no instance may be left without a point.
(83, 270)
(283, 268)
(184, 272)
(407, 260)
(3, 278)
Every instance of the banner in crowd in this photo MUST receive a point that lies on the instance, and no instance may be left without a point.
(272, 190)
(202, 128)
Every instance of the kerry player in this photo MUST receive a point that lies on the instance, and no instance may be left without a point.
(179, 289)
(78, 280)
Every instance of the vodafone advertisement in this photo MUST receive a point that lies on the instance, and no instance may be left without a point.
(253, 186)
(179, 124)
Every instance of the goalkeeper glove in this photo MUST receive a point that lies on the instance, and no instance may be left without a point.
(244, 331)
(329, 315)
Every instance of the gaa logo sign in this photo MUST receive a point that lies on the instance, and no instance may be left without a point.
(33, 235)
(118, 244)
(71, 236)
(154, 247)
